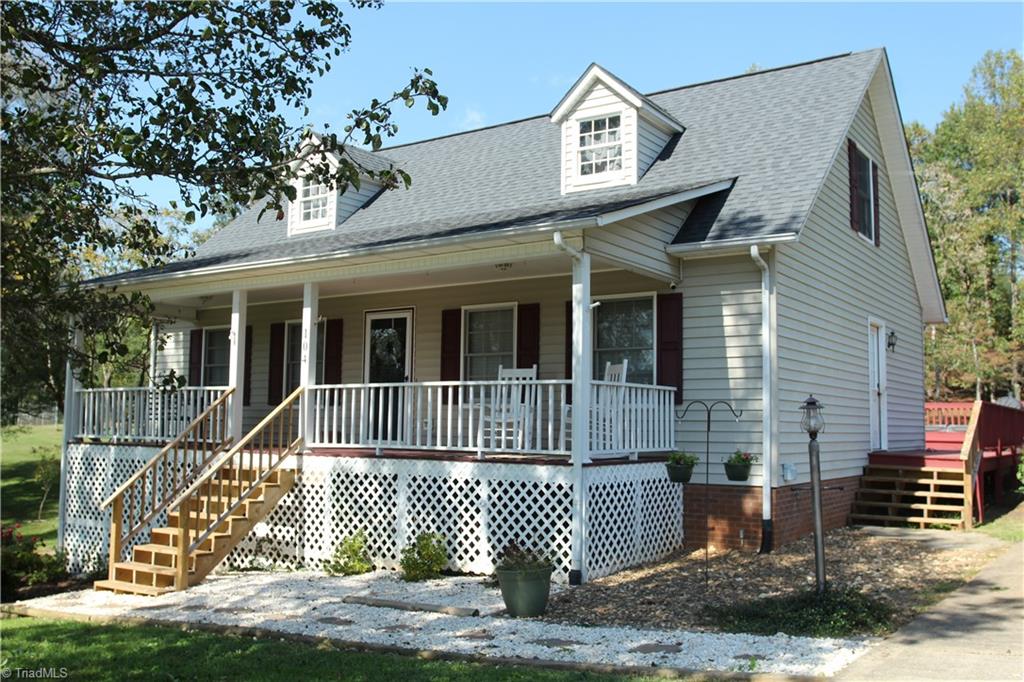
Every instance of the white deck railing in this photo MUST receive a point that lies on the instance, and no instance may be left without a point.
(522, 416)
(141, 413)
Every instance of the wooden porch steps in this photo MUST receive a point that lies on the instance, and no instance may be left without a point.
(906, 494)
(153, 565)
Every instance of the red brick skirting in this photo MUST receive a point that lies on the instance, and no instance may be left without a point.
(734, 518)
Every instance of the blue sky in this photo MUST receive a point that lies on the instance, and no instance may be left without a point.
(500, 62)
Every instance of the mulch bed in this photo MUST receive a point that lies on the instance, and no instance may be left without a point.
(671, 593)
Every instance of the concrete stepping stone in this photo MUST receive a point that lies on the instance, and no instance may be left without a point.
(398, 627)
(479, 635)
(555, 642)
(334, 620)
(653, 648)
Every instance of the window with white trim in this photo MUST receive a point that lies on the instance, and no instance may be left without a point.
(293, 354)
(865, 195)
(313, 198)
(216, 357)
(624, 329)
(489, 342)
(600, 145)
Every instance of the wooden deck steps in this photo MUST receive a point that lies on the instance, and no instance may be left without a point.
(925, 496)
(153, 565)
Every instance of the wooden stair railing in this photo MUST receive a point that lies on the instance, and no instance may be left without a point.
(161, 480)
(970, 457)
(210, 503)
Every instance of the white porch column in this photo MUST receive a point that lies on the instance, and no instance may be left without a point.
(307, 372)
(582, 371)
(236, 366)
(72, 416)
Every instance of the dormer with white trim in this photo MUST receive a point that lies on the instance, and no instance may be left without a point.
(318, 207)
(611, 134)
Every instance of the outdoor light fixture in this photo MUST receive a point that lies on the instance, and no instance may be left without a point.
(814, 423)
(890, 341)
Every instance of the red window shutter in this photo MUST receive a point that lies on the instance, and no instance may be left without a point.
(528, 336)
(333, 339)
(852, 147)
(195, 357)
(275, 377)
(568, 347)
(451, 344)
(670, 342)
(247, 369)
(876, 203)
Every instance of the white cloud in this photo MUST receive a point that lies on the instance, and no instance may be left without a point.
(472, 118)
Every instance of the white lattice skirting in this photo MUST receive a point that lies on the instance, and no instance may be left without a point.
(633, 513)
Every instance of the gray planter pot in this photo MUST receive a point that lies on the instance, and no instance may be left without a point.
(737, 472)
(525, 591)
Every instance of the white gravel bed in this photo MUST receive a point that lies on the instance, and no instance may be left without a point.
(310, 603)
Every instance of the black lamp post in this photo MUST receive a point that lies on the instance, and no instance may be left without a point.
(813, 423)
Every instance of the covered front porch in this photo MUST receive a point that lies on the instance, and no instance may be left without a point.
(489, 359)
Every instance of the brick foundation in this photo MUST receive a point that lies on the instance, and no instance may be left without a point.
(734, 518)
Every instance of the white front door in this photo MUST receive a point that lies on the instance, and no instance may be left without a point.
(876, 385)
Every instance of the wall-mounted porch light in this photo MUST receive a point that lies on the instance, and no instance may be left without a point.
(890, 341)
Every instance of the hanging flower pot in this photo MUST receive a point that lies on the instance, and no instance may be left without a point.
(680, 466)
(737, 467)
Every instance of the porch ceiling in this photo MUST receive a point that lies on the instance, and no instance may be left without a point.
(539, 266)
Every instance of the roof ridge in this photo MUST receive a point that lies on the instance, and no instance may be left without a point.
(648, 94)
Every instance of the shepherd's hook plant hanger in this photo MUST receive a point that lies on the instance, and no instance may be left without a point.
(708, 409)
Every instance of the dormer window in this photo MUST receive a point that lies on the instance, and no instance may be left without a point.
(600, 145)
(313, 201)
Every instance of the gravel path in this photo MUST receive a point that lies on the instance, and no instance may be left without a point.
(309, 603)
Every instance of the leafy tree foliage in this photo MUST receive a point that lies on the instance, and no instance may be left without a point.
(970, 171)
(99, 97)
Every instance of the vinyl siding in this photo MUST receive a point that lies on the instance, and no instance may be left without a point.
(827, 286)
(722, 359)
(352, 199)
(174, 354)
(650, 143)
(639, 243)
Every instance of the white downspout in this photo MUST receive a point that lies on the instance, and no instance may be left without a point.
(767, 463)
(581, 373)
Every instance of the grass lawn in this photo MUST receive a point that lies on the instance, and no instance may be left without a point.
(19, 494)
(1005, 523)
(114, 652)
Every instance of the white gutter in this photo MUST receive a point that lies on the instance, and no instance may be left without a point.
(738, 243)
(667, 200)
(767, 408)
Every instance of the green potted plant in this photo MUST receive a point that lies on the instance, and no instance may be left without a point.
(737, 467)
(680, 466)
(525, 580)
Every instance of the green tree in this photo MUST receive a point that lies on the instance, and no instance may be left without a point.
(969, 171)
(98, 96)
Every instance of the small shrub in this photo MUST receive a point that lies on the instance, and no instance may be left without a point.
(47, 475)
(424, 559)
(351, 557)
(21, 564)
(685, 458)
(840, 612)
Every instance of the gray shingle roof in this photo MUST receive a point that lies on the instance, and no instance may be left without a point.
(776, 131)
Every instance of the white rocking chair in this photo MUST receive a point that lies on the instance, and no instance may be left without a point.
(507, 416)
(604, 410)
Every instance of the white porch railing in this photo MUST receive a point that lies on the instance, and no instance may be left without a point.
(630, 418)
(522, 417)
(141, 413)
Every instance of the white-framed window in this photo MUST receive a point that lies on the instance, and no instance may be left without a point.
(600, 145)
(293, 354)
(313, 198)
(624, 328)
(216, 356)
(488, 341)
(865, 195)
